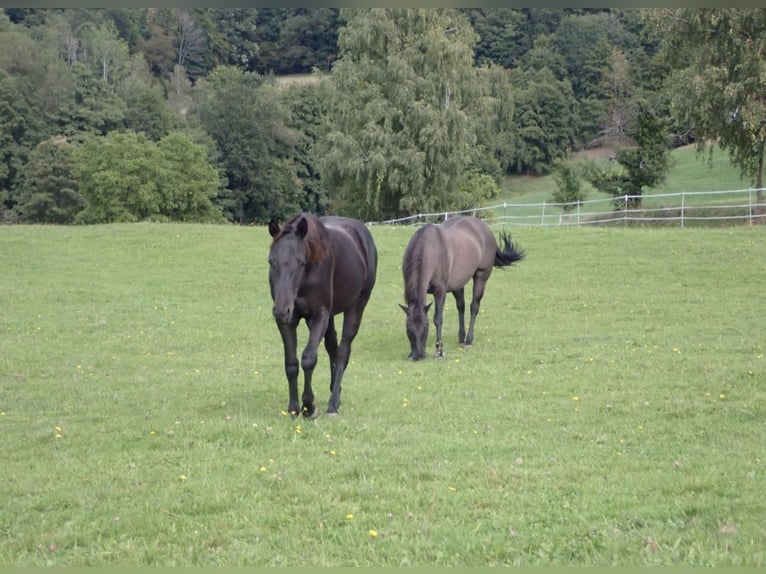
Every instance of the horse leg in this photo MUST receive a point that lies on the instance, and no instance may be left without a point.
(479, 283)
(352, 319)
(439, 297)
(331, 346)
(317, 328)
(460, 304)
(290, 344)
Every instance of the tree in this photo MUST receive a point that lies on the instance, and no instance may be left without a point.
(24, 73)
(718, 83)
(233, 38)
(569, 190)
(147, 110)
(48, 188)
(496, 131)
(620, 97)
(305, 103)
(503, 35)
(404, 106)
(246, 118)
(544, 121)
(640, 166)
(127, 177)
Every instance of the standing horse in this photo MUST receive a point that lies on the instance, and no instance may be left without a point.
(319, 267)
(441, 259)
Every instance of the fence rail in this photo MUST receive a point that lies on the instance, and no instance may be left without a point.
(678, 209)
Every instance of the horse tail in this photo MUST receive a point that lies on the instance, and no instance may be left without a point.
(509, 252)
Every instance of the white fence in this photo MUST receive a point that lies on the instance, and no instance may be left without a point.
(741, 206)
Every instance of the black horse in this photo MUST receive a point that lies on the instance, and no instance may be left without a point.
(441, 259)
(319, 267)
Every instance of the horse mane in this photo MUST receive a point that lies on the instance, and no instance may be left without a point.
(316, 239)
(413, 265)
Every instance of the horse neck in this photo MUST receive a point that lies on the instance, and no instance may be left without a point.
(416, 273)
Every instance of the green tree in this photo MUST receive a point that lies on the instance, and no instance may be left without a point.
(544, 121)
(502, 34)
(582, 41)
(496, 131)
(48, 188)
(233, 39)
(643, 165)
(190, 197)
(306, 106)
(250, 125)
(569, 191)
(404, 107)
(621, 99)
(127, 177)
(23, 124)
(147, 109)
(718, 84)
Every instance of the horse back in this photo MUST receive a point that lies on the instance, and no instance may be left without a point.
(355, 260)
(471, 247)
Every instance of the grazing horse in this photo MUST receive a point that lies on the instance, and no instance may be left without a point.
(441, 259)
(319, 267)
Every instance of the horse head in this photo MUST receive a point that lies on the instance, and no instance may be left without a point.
(288, 257)
(417, 328)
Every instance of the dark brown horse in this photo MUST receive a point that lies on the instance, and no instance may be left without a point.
(318, 268)
(441, 259)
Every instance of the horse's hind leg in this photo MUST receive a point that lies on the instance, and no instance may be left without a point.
(352, 319)
(331, 345)
(460, 304)
(479, 283)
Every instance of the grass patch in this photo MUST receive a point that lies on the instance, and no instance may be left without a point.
(689, 172)
(609, 412)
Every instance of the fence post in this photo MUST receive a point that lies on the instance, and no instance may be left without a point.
(625, 211)
(683, 206)
(542, 218)
(750, 206)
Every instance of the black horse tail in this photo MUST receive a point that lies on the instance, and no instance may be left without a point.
(509, 252)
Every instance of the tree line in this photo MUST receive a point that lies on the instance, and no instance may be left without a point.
(129, 114)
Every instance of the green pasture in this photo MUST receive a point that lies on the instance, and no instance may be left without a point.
(690, 172)
(610, 412)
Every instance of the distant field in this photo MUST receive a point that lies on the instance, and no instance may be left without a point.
(690, 172)
(610, 412)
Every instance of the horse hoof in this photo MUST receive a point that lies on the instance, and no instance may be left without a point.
(309, 412)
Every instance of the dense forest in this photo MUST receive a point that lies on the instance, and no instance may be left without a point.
(129, 114)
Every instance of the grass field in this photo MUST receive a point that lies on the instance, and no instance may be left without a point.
(689, 172)
(610, 412)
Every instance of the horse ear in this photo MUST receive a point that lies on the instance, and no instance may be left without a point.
(405, 309)
(302, 228)
(273, 228)
(427, 307)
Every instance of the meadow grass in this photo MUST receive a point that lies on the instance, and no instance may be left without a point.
(610, 412)
(689, 171)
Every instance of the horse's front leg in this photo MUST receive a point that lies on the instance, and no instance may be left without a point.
(439, 297)
(290, 344)
(317, 326)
